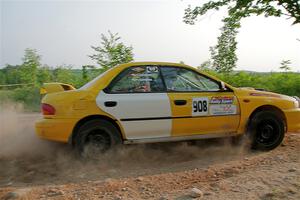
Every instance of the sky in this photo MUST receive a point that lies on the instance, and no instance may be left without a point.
(63, 32)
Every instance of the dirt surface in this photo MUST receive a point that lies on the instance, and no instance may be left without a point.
(212, 169)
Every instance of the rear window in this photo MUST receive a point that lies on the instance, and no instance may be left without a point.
(88, 84)
(140, 79)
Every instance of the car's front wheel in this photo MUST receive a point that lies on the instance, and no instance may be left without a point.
(266, 130)
(96, 137)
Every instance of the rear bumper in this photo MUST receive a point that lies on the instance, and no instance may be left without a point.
(293, 120)
(55, 129)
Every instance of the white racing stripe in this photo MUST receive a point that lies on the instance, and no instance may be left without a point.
(137, 106)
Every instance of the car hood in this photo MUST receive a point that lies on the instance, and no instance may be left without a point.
(250, 91)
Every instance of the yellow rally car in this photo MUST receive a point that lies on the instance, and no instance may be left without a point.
(158, 102)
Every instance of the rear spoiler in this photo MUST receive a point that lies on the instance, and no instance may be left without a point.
(55, 87)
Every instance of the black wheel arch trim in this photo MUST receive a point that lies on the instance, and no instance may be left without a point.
(82, 121)
(267, 108)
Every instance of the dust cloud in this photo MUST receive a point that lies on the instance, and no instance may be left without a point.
(26, 159)
(17, 136)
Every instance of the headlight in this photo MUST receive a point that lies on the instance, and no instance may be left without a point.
(297, 102)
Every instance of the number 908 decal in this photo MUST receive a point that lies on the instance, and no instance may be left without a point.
(218, 106)
(200, 106)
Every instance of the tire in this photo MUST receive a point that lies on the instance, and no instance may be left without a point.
(266, 130)
(96, 137)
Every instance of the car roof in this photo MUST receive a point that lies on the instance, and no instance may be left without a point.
(152, 63)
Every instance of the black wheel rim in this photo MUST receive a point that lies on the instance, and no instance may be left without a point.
(268, 132)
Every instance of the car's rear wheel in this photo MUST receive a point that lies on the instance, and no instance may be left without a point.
(266, 130)
(96, 137)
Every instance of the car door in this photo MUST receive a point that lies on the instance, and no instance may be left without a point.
(137, 99)
(198, 104)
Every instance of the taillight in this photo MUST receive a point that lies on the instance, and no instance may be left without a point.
(48, 109)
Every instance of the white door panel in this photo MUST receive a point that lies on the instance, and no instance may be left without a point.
(147, 129)
(139, 113)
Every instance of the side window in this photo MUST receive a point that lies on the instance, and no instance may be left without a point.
(138, 80)
(184, 80)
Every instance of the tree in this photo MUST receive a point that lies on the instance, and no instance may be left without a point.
(63, 74)
(88, 72)
(205, 66)
(31, 63)
(44, 74)
(111, 51)
(2, 78)
(84, 72)
(223, 54)
(246, 8)
(285, 65)
(12, 75)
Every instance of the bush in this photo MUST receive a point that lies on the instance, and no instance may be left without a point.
(284, 83)
(5, 95)
(29, 97)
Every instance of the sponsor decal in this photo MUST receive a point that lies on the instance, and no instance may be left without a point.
(221, 100)
(138, 69)
(145, 75)
(222, 109)
(142, 79)
(152, 69)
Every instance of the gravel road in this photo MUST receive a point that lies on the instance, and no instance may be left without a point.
(31, 168)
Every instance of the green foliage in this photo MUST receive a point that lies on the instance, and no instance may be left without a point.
(29, 97)
(246, 8)
(65, 74)
(283, 83)
(31, 74)
(2, 78)
(205, 66)
(62, 74)
(44, 75)
(11, 74)
(85, 72)
(89, 72)
(31, 63)
(6, 95)
(223, 54)
(285, 65)
(111, 52)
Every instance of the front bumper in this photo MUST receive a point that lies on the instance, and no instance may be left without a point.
(293, 120)
(55, 129)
